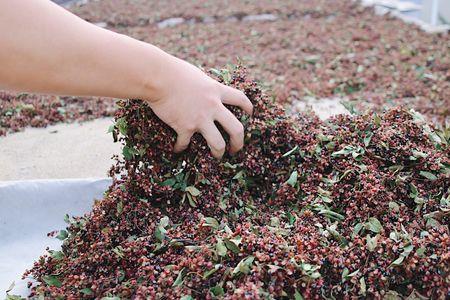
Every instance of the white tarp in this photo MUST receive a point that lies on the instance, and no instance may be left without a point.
(31, 209)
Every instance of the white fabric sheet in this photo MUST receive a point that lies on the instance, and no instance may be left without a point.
(31, 209)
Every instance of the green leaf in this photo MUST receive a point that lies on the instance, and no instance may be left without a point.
(345, 174)
(408, 249)
(394, 206)
(121, 124)
(332, 229)
(58, 255)
(233, 245)
(349, 105)
(432, 223)
(357, 229)
(362, 286)
(220, 248)
(119, 207)
(111, 298)
(239, 175)
(377, 120)
(414, 192)
(52, 280)
(160, 231)
(394, 235)
(62, 235)
(180, 278)
(428, 175)
(291, 218)
(331, 214)
(323, 192)
(290, 151)
(191, 200)
(421, 251)
(215, 72)
(217, 291)
(187, 297)
(374, 225)
(67, 219)
(211, 222)
(111, 128)
(297, 295)
(312, 59)
(371, 242)
(346, 150)
(357, 153)
(419, 154)
(14, 297)
(164, 222)
(169, 182)
(11, 286)
(398, 261)
(310, 270)
(128, 152)
(244, 266)
(368, 138)
(346, 275)
(86, 291)
(275, 221)
(230, 166)
(118, 251)
(193, 191)
(212, 271)
(292, 181)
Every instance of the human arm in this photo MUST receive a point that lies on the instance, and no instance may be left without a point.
(46, 49)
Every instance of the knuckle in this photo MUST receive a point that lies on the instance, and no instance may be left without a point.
(214, 103)
(184, 128)
(189, 129)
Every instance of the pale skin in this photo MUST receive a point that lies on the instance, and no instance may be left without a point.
(46, 49)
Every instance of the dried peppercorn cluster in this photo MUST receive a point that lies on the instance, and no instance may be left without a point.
(357, 206)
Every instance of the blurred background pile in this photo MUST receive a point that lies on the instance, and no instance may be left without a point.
(369, 54)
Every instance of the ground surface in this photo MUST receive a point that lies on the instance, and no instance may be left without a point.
(322, 48)
(59, 151)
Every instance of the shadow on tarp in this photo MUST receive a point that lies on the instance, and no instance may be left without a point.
(28, 211)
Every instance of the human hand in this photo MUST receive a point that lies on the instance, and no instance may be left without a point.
(189, 101)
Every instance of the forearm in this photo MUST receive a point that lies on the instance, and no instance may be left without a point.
(46, 49)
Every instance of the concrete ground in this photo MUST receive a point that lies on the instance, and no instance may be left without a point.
(60, 151)
(324, 108)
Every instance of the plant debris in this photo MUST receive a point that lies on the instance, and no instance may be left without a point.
(356, 206)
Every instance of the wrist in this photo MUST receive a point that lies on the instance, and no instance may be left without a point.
(144, 69)
(157, 79)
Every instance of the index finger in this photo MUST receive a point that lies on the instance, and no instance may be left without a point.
(235, 97)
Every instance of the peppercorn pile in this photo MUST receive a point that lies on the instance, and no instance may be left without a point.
(357, 206)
